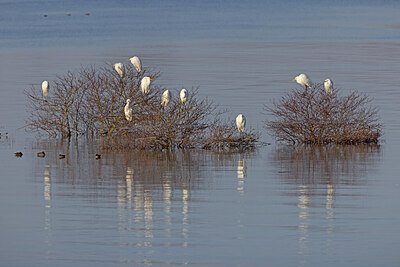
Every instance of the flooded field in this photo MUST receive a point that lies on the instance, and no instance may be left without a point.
(277, 205)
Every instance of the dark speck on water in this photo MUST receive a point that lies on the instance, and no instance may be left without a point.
(41, 154)
(18, 154)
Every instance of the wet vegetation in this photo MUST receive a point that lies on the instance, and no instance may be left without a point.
(313, 116)
(93, 102)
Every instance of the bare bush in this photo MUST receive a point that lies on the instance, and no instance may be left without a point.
(91, 101)
(311, 116)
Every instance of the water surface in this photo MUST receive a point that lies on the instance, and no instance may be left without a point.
(280, 206)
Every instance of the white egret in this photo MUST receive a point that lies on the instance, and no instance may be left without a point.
(136, 62)
(45, 88)
(165, 98)
(240, 123)
(119, 67)
(183, 96)
(328, 84)
(128, 110)
(302, 79)
(145, 85)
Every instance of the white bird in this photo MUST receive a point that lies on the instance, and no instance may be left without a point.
(128, 110)
(302, 79)
(145, 85)
(328, 84)
(165, 98)
(183, 96)
(119, 67)
(240, 123)
(45, 88)
(136, 62)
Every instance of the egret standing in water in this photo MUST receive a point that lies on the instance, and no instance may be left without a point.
(303, 80)
(128, 110)
(165, 98)
(45, 88)
(136, 62)
(145, 85)
(240, 123)
(183, 96)
(119, 67)
(328, 84)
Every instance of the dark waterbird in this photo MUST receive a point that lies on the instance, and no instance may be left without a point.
(18, 154)
(61, 156)
(98, 156)
(41, 154)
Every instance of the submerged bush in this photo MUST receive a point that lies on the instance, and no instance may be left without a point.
(91, 102)
(312, 116)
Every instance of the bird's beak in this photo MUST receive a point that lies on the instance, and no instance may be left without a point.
(128, 59)
(113, 65)
(151, 79)
(293, 79)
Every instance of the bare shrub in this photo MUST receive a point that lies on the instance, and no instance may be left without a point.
(91, 101)
(225, 136)
(311, 116)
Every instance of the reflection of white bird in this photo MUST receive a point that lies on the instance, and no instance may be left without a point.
(45, 88)
(165, 98)
(128, 110)
(240, 123)
(302, 79)
(145, 85)
(183, 96)
(119, 67)
(136, 62)
(328, 84)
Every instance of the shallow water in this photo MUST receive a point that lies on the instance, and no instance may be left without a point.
(278, 206)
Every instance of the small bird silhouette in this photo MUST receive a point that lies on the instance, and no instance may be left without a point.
(18, 154)
(41, 154)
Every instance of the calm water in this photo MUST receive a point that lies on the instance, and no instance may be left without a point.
(277, 206)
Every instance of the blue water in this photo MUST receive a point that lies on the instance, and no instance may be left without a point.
(130, 23)
(277, 206)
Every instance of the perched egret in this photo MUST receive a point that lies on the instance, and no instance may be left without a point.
(119, 67)
(45, 88)
(165, 98)
(240, 123)
(145, 85)
(128, 110)
(328, 84)
(302, 79)
(183, 96)
(136, 62)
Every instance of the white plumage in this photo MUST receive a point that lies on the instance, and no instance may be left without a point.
(45, 88)
(165, 98)
(119, 67)
(145, 85)
(328, 84)
(128, 110)
(136, 62)
(183, 96)
(240, 123)
(303, 80)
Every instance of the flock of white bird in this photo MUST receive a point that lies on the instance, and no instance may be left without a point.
(301, 79)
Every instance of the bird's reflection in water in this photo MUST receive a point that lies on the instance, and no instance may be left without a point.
(303, 216)
(316, 171)
(241, 175)
(47, 208)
